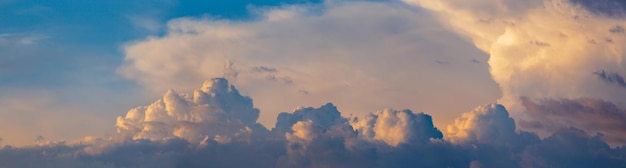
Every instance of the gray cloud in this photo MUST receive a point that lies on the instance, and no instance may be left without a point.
(612, 8)
(264, 69)
(611, 77)
(591, 115)
(540, 43)
(572, 147)
(617, 29)
(326, 116)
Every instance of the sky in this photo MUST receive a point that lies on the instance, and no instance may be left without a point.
(304, 83)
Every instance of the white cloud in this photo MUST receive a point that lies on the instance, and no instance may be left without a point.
(397, 127)
(540, 48)
(216, 111)
(488, 124)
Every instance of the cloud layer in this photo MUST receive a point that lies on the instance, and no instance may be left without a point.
(217, 127)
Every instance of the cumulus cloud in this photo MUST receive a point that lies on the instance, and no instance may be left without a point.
(306, 55)
(544, 48)
(485, 124)
(325, 117)
(397, 127)
(215, 111)
(489, 135)
(205, 130)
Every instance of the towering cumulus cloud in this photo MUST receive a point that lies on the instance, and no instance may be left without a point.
(545, 48)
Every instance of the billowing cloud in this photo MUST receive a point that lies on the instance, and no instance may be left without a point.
(306, 55)
(489, 124)
(544, 48)
(310, 137)
(397, 127)
(325, 117)
(216, 105)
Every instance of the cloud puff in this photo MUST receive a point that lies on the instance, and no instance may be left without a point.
(216, 111)
(397, 127)
(485, 124)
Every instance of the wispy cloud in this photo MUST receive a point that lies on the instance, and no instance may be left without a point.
(611, 77)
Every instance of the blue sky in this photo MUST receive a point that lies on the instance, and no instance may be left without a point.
(84, 38)
(70, 50)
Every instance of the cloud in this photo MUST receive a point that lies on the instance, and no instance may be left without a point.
(216, 111)
(325, 117)
(333, 51)
(543, 48)
(489, 135)
(342, 51)
(488, 124)
(591, 115)
(263, 69)
(611, 77)
(309, 137)
(397, 127)
(612, 8)
(20, 39)
(572, 148)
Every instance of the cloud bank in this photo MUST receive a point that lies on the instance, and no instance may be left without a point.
(217, 127)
